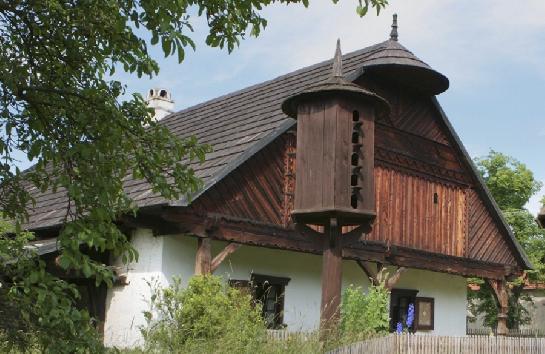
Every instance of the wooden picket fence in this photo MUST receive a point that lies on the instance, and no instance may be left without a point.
(427, 344)
(527, 332)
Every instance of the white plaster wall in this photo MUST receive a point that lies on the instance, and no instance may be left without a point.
(303, 292)
(179, 257)
(449, 292)
(125, 303)
(163, 257)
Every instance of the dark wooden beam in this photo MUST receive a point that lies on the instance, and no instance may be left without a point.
(247, 232)
(331, 278)
(501, 295)
(224, 253)
(405, 257)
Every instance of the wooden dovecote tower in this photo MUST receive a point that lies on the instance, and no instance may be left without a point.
(335, 168)
(335, 150)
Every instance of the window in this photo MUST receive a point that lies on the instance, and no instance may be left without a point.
(269, 293)
(399, 305)
(400, 299)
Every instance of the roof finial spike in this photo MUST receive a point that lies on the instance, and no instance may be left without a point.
(393, 33)
(338, 61)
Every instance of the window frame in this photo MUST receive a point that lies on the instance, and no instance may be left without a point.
(280, 283)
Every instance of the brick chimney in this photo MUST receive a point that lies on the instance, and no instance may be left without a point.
(161, 101)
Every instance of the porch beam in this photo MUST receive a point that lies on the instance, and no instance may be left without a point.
(247, 232)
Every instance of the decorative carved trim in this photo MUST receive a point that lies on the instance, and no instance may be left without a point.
(391, 159)
(289, 176)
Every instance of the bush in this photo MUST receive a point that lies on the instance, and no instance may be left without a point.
(364, 315)
(208, 316)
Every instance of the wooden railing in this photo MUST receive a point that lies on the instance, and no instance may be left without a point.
(426, 344)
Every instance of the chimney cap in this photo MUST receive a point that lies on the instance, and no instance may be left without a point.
(159, 93)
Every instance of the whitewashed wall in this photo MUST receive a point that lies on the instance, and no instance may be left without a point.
(125, 303)
(449, 292)
(163, 257)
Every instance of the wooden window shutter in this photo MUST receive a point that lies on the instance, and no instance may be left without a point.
(424, 313)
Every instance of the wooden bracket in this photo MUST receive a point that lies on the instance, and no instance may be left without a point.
(368, 270)
(376, 276)
(229, 249)
(355, 236)
(392, 280)
(307, 231)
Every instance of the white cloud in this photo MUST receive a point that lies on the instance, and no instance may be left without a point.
(458, 37)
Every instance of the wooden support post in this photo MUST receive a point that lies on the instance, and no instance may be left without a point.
(331, 279)
(203, 256)
(501, 295)
(229, 249)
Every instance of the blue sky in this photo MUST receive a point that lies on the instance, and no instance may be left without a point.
(491, 50)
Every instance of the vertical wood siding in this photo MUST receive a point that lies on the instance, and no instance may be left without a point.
(408, 216)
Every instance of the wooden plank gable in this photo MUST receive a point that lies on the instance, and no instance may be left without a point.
(255, 190)
(486, 242)
(427, 197)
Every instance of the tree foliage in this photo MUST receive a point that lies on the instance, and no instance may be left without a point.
(512, 184)
(61, 108)
(510, 181)
(38, 308)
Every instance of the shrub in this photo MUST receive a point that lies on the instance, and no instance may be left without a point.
(364, 315)
(207, 316)
(210, 317)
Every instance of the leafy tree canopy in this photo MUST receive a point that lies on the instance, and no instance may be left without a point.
(60, 107)
(512, 184)
(510, 181)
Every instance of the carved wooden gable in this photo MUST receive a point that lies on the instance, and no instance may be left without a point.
(426, 196)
